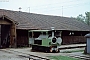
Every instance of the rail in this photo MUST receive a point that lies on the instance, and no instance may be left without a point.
(71, 47)
(37, 57)
(25, 55)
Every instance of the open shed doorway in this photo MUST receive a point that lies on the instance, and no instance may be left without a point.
(4, 36)
(7, 32)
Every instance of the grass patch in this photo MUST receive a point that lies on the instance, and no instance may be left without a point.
(73, 51)
(62, 58)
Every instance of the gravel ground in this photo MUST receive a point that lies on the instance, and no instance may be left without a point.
(13, 54)
(5, 54)
(9, 56)
(42, 54)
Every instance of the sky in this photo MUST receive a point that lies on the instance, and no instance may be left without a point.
(66, 8)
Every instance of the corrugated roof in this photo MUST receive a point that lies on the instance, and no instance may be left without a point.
(39, 21)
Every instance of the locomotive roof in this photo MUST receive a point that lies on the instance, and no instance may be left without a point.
(29, 21)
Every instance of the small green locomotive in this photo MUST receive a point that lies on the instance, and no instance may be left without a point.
(46, 40)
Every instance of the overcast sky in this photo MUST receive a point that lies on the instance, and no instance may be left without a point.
(66, 8)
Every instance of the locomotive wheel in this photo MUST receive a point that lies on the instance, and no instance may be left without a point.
(47, 51)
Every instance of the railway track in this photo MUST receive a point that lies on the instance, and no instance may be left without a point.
(83, 57)
(72, 46)
(25, 55)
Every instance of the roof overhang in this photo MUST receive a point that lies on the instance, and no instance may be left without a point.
(39, 30)
(9, 19)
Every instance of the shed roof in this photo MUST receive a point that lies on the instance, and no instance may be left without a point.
(45, 22)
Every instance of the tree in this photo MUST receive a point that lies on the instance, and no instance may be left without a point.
(81, 18)
(87, 18)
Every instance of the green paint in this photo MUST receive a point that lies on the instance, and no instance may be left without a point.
(45, 42)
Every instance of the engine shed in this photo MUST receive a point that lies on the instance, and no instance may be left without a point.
(15, 27)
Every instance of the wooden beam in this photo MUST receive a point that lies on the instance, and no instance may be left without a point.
(0, 35)
(13, 42)
(4, 22)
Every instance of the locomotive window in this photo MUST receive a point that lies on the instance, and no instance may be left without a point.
(44, 33)
(39, 42)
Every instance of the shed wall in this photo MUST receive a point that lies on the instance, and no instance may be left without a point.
(73, 40)
(22, 38)
(73, 37)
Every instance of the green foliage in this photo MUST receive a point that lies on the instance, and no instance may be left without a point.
(85, 19)
(62, 58)
(81, 18)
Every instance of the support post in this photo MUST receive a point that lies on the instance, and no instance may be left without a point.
(0, 35)
(13, 41)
